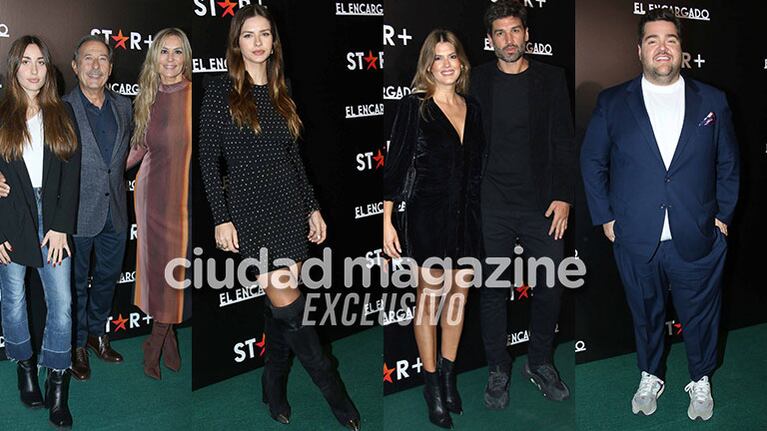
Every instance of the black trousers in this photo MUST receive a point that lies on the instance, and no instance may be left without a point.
(502, 228)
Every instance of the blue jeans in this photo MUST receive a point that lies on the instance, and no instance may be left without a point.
(56, 352)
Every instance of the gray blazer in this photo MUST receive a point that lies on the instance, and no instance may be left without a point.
(102, 187)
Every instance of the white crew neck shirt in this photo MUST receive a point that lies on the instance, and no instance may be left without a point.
(665, 107)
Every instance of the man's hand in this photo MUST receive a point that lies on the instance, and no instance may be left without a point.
(722, 227)
(5, 189)
(609, 232)
(561, 211)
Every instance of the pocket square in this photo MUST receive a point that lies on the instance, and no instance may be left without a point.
(710, 119)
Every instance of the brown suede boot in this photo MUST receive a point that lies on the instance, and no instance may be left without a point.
(170, 356)
(152, 348)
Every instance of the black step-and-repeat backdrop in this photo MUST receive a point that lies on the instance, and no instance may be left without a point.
(128, 27)
(334, 61)
(406, 24)
(723, 45)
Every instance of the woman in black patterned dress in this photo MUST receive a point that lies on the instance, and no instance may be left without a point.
(248, 118)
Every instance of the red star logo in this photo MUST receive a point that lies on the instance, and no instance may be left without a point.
(262, 344)
(120, 39)
(228, 7)
(119, 323)
(387, 373)
(371, 61)
(523, 291)
(379, 158)
(678, 327)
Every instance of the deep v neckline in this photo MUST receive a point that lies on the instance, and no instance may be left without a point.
(460, 136)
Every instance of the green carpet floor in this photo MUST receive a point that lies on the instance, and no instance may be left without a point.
(605, 389)
(120, 397)
(528, 409)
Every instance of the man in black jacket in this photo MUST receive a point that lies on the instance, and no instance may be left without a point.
(527, 190)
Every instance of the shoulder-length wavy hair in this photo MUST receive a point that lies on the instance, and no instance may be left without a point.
(149, 81)
(241, 104)
(58, 131)
(423, 81)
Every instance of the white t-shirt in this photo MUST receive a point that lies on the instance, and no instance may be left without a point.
(665, 106)
(33, 151)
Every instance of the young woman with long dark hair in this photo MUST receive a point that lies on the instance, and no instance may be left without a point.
(248, 117)
(40, 158)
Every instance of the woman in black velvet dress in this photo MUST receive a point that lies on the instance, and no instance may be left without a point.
(434, 166)
(248, 118)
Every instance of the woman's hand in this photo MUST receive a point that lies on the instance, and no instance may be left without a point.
(226, 237)
(5, 189)
(57, 244)
(391, 241)
(318, 230)
(5, 247)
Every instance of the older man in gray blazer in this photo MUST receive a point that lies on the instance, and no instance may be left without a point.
(105, 122)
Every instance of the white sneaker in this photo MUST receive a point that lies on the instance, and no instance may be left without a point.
(646, 397)
(701, 401)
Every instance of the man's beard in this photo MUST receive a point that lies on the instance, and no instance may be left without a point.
(509, 58)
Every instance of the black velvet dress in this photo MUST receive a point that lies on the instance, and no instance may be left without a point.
(443, 212)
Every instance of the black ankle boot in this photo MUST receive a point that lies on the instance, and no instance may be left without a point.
(274, 380)
(449, 386)
(29, 388)
(305, 343)
(57, 398)
(438, 413)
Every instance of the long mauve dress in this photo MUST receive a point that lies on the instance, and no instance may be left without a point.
(161, 199)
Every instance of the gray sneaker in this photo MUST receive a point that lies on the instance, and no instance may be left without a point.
(497, 389)
(701, 401)
(645, 399)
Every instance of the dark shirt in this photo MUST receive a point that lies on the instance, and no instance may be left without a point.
(508, 178)
(103, 125)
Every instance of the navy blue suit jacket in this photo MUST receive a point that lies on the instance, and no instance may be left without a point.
(626, 180)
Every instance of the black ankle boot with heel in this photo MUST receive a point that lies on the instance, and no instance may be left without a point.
(29, 388)
(449, 385)
(435, 401)
(57, 398)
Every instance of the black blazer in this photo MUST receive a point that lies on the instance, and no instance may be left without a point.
(61, 191)
(554, 156)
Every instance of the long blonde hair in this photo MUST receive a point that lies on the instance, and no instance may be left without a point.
(149, 81)
(58, 131)
(423, 81)
(241, 104)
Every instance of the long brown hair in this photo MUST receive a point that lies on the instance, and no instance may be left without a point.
(423, 82)
(58, 131)
(241, 104)
(149, 82)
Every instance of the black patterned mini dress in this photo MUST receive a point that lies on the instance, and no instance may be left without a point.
(268, 197)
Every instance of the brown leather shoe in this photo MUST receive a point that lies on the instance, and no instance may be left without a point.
(81, 367)
(102, 349)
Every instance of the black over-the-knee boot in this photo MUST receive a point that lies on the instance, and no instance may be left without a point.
(274, 380)
(305, 343)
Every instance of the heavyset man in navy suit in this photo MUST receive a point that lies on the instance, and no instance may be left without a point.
(660, 168)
